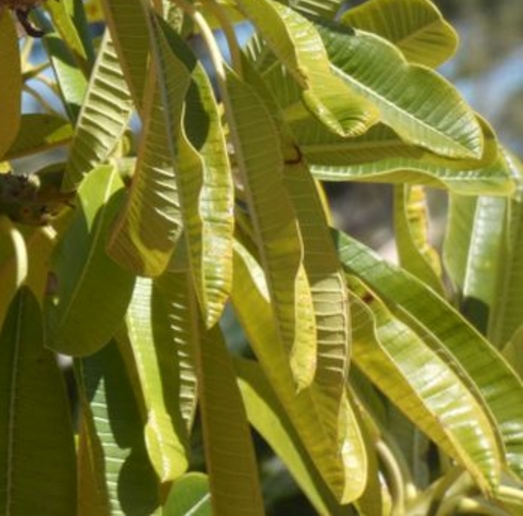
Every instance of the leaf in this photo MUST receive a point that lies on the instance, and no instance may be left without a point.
(415, 252)
(37, 453)
(323, 8)
(110, 405)
(13, 263)
(165, 432)
(299, 47)
(416, 27)
(421, 106)
(39, 132)
(421, 382)
(93, 292)
(229, 452)
(11, 98)
(342, 466)
(382, 156)
(203, 174)
(149, 225)
(128, 26)
(419, 307)
(103, 118)
(260, 161)
(189, 495)
(271, 421)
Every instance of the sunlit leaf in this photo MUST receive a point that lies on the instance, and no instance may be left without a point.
(416, 27)
(88, 281)
(37, 453)
(103, 119)
(421, 106)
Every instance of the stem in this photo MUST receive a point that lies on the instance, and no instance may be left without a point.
(394, 477)
(472, 506)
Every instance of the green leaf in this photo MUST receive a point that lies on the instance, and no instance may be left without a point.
(270, 419)
(416, 27)
(415, 252)
(165, 432)
(421, 106)
(382, 156)
(341, 463)
(13, 263)
(93, 292)
(10, 100)
(125, 19)
(189, 496)
(37, 455)
(299, 47)
(261, 164)
(425, 387)
(121, 457)
(203, 175)
(419, 307)
(103, 119)
(229, 452)
(324, 8)
(39, 132)
(149, 225)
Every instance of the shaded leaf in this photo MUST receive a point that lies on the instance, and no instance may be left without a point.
(189, 495)
(37, 454)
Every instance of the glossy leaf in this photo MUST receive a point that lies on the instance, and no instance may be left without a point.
(203, 176)
(189, 496)
(415, 251)
(425, 387)
(149, 225)
(261, 164)
(421, 106)
(270, 419)
(103, 119)
(340, 466)
(10, 100)
(416, 27)
(297, 44)
(39, 132)
(418, 306)
(33, 397)
(121, 457)
(382, 156)
(158, 372)
(324, 8)
(89, 282)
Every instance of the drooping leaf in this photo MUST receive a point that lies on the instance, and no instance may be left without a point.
(342, 469)
(421, 106)
(189, 495)
(382, 156)
(261, 165)
(425, 387)
(88, 281)
(297, 44)
(10, 100)
(203, 174)
(37, 455)
(103, 119)
(270, 419)
(39, 132)
(149, 225)
(158, 372)
(121, 461)
(415, 251)
(416, 27)
(125, 19)
(417, 305)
